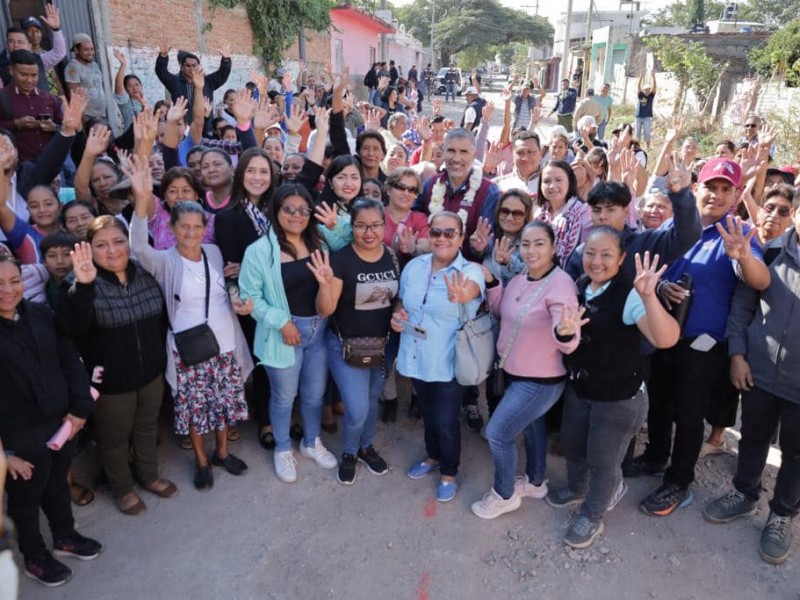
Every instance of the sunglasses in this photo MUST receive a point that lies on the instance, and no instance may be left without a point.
(507, 212)
(783, 211)
(449, 233)
(405, 188)
(291, 211)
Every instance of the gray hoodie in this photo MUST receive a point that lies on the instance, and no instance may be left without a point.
(765, 326)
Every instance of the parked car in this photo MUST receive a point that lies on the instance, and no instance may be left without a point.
(439, 81)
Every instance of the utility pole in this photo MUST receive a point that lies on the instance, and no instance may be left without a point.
(533, 6)
(384, 50)
(587, 49)
(433, 22)
(565, 50)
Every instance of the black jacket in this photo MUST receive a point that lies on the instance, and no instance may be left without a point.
(41, 372)
(122, 328)
(178, 85)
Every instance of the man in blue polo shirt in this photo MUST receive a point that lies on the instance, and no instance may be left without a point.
(684, 376)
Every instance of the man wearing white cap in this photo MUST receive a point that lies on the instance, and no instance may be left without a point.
(586, 135)
(83, 71)
(474, 111)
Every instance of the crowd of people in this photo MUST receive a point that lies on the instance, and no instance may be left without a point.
(289, 255)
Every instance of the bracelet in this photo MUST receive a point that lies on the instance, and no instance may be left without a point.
(659, 285)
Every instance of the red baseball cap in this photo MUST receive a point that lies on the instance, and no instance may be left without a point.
(721, 168)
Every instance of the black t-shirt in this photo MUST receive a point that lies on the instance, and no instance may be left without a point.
(645, 107)
(365, 306)
(301, 287)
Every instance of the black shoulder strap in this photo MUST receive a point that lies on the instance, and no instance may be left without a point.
(208, 280)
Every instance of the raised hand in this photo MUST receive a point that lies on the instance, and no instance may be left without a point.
(82, 264)
(118, 54)
(322, 120)
(502, 251)
(488, 111)
(51, 16)
(208, 106)
(749, 162)
(492, 157)
(482, 236)
(267, 113)
(424, 128)
(647, 274)
(767, 136)
(536, 115)
(629, 167)
(243, 106)
(373, 120)
(320, 266)
(674, 132)
(459, 288)
(73, 111)
(295, 121)
(679, 175)
(177, 111)
(141, 177)
(571, 320)
(198, 77)
(97, 140)
(326, 215)
(225, 49)
(145, 128)
(737, 242)
(407, 240)
(506, 95)
(163, 44)
(436, 106)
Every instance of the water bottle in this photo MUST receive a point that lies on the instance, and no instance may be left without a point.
(679, 311)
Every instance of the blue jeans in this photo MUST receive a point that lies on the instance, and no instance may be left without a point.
(309, 375)
(521, 410)
(360, 389)
(643, 125)
(601, 129)
(595, 437)
(440, 404)
(450, 90)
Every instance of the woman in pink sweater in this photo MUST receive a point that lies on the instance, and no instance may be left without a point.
(539, 322)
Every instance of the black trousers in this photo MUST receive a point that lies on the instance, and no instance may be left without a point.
(682, 381)
(761, 414)
(722, 407)
(259, 397)
(47, 487)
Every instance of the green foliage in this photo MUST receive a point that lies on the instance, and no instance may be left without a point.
(684, 14)
(463, 24)
(770, 12)
(780, 55)
(689, 63)
(276, 23)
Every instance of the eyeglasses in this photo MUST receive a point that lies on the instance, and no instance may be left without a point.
(750, 125)
(783, 211)
(514, 214)
(449, 233)
(362, 228)
(405, 188)
(291, 211)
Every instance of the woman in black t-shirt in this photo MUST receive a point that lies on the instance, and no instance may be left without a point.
(366, 277)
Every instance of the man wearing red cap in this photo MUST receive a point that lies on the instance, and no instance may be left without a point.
(684, 376)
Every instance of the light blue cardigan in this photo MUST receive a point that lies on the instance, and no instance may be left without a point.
(167, 269)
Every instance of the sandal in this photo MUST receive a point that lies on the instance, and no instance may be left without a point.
(186, 443)
(233, 433)
(130, 504)
(267, 440)
(165, 489)
(80, 494)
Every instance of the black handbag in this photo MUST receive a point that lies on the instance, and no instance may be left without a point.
(198, 344)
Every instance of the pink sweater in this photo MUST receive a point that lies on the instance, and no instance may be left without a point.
(536, 352)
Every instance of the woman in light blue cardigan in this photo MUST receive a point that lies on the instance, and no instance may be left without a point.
(285, 273)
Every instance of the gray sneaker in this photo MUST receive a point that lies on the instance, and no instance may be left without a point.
(731, 506)
(582, 531)
(564, 498)
(776, 539)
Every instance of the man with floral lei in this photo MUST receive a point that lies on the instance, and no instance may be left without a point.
(461, 188)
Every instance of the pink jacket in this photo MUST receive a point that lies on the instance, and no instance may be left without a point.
(536, 352)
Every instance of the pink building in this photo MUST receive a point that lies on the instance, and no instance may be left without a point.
(355, 39)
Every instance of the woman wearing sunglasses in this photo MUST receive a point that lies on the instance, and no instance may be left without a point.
(512, 213)
(364, 284)
(775, 214)
(286, 274)
(435, 290)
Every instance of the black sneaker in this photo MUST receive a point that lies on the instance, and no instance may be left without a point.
(232, 464)
(731, 506)
(47, 570)
(564, 498)
(666, 500)
(375, 464)
(347, 470)
(776, 539)
(77, 546)
(203, 478)
(641, 466)
(582, 531)
(473, 418)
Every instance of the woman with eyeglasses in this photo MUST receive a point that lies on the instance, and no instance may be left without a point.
(539, 317)
(286, 275)
(775, 214)
(366, 278)
(438, 291)
(605, 400)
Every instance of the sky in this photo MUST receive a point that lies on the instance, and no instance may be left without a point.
(552, 10)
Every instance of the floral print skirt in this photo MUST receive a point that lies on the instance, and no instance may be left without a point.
(210, 394)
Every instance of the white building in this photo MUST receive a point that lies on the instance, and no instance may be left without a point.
(402, 47)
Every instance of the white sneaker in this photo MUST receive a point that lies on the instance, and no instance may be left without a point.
(524, 489)
(492, 505)
(619, 494)
(285, 466)
(319, 454)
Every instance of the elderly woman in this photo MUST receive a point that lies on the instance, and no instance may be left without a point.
(656, 210)
(45, 388)
(775, 213)
(435, 290)
(114, 310)
(209, 392)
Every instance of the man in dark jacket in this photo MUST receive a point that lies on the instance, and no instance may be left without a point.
(181, 84)
(763, 333)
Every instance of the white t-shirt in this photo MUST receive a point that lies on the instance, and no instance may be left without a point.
(192, 307)
(90, 77)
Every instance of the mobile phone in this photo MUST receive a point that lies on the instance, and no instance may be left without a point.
(43, 117)
(414, 330)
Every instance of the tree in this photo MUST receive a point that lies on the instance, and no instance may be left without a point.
(690, 64)
(685, 14)
(770, 12)
(463, 24)
(276, 24)
(780, 55)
